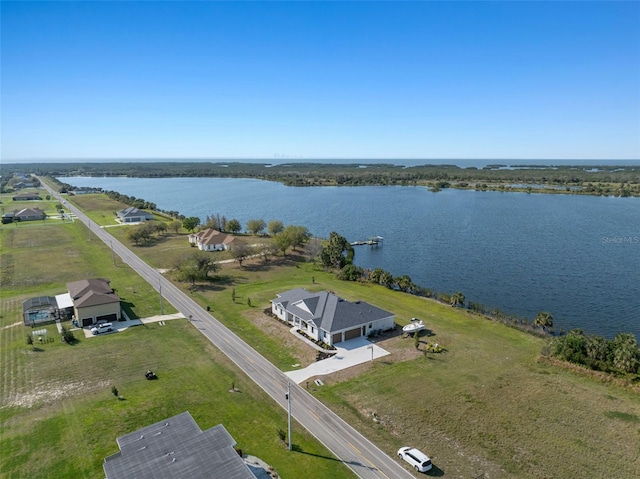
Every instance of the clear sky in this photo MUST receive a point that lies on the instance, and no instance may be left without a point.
(155, 80)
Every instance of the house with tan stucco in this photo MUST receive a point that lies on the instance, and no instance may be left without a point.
(212, 240)
(94, 301)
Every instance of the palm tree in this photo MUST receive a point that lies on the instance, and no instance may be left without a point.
(544, 320)
(457, 299)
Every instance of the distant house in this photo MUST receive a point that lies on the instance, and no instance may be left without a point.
(94, 301)
(29, 214)
(212, 240)
(133, 215)
(85, 190)
(177, 448)
(24, 184)
(27, 197)
(329, 318)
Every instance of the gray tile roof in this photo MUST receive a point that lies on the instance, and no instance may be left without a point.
(328, 311)
(177, 448)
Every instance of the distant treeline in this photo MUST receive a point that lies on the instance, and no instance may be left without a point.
(579, 179)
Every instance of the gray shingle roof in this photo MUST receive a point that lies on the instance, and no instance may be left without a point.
(177, 448)
(328, 311)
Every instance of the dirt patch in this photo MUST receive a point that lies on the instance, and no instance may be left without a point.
(400, 348)
(276, 329)
(12, 325)
(51, 391)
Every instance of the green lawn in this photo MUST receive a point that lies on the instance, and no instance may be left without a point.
(58, 417)
(488, 405)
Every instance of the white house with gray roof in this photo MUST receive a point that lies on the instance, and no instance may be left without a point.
(329, 318)
(133, 215)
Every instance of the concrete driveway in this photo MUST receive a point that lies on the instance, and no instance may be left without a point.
(350, 353)
(128, 323)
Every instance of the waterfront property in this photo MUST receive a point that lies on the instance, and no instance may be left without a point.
(328, 318)
(133, 215)
(176, 447)
(211, 240)
(94, 301)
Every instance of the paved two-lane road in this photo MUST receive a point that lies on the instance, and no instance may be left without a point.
(365, 459)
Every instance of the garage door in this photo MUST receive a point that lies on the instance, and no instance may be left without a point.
(107, 318)
(352, 333)
(87, 322)
(336, 338)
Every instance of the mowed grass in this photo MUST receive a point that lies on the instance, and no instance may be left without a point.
(488, 405)
(58, 416)
(65, 419)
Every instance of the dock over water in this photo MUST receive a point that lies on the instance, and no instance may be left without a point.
(373, 241)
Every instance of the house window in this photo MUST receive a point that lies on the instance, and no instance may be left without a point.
(370, 325)
(312, 329)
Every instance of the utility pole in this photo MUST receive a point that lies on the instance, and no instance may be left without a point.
(289, 409)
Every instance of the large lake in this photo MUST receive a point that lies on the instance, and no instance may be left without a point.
(577, 257)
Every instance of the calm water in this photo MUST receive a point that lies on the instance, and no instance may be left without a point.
(577, 257)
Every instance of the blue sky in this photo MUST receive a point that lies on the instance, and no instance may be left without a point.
(320, 80)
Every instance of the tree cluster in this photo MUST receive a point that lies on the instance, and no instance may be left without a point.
(142, 235)
(619, 180)
(619, 355)
(131, 200)
(193, 267)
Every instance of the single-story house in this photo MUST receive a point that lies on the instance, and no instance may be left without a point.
(94, 301)
(133, 215)
(329, 318)
(212, 240)
(27, 197)
(85, 190)
(24, 184)
(177, 447)
(29, 214)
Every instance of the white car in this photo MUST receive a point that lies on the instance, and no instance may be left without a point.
(418, 459)
(102, 328)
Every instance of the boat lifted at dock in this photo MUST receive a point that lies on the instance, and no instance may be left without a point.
(373, 241)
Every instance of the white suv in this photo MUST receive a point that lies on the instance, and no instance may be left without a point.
(102, 328)
(418, 459)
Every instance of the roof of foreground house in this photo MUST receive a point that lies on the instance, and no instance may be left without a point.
(328, 311)
(177, 448)
(91, 292)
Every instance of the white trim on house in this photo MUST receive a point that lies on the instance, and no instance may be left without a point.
(328, 318)
(211, 240)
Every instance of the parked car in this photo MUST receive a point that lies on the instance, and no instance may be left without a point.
(418, 459)
(102, 328)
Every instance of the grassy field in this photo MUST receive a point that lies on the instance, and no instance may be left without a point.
(488, 405)
(58, 417)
